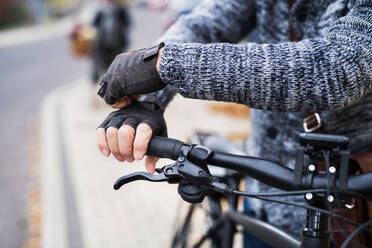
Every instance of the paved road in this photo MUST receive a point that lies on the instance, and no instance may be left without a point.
(27, 74)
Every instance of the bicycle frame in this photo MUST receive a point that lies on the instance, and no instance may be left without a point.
(315, 234)
(271, 235)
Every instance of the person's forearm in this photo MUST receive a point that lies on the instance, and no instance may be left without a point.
(313, 74)
(210, 21)
(310, 75)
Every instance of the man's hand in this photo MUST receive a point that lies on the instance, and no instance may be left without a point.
(130, 74)
(127, 132)
(127, 144)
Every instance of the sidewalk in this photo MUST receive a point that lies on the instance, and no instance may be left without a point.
(34, 33)
(46, 30)
(79, 206)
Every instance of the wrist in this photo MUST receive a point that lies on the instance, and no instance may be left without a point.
(157, 65)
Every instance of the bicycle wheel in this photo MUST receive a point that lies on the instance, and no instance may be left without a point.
(204, 225)
(192, 221)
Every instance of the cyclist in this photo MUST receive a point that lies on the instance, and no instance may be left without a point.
(311, 59)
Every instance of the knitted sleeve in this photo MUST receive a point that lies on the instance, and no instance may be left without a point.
(314, 74)
(210, 21)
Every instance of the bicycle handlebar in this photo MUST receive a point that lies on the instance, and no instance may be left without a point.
(268, 172)
(164, 147)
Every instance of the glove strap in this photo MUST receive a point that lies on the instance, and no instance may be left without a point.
(150, 52)
(152, 100)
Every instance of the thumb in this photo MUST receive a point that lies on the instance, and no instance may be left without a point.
(122, 102)
(125, 101)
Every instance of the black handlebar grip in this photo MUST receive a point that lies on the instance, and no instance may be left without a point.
(164, 147)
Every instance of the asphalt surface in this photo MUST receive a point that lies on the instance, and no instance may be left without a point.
(27, 74)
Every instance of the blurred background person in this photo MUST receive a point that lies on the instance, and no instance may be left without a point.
(112, 23)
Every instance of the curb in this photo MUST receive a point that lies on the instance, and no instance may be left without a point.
(54, 226)
(60, 226)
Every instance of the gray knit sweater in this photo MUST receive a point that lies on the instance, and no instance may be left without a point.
(328, 70)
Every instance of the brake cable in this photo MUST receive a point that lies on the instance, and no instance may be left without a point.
(298, 192)
(262, 196)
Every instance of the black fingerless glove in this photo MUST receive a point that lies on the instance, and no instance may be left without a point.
(131, 73)
(149, 112)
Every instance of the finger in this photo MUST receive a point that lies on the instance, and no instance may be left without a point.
(141, 140)
(102, 142)
(123, 102)
(116, 121)
(106, 121)
(150, 164)
(112, 140)
(126, 138)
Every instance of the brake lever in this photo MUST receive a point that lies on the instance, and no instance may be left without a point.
(139, 176)
(181, 171)
(168, 174)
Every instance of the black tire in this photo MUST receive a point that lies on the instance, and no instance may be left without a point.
(191, 223)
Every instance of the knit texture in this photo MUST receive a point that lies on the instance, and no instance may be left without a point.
(328, 70)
